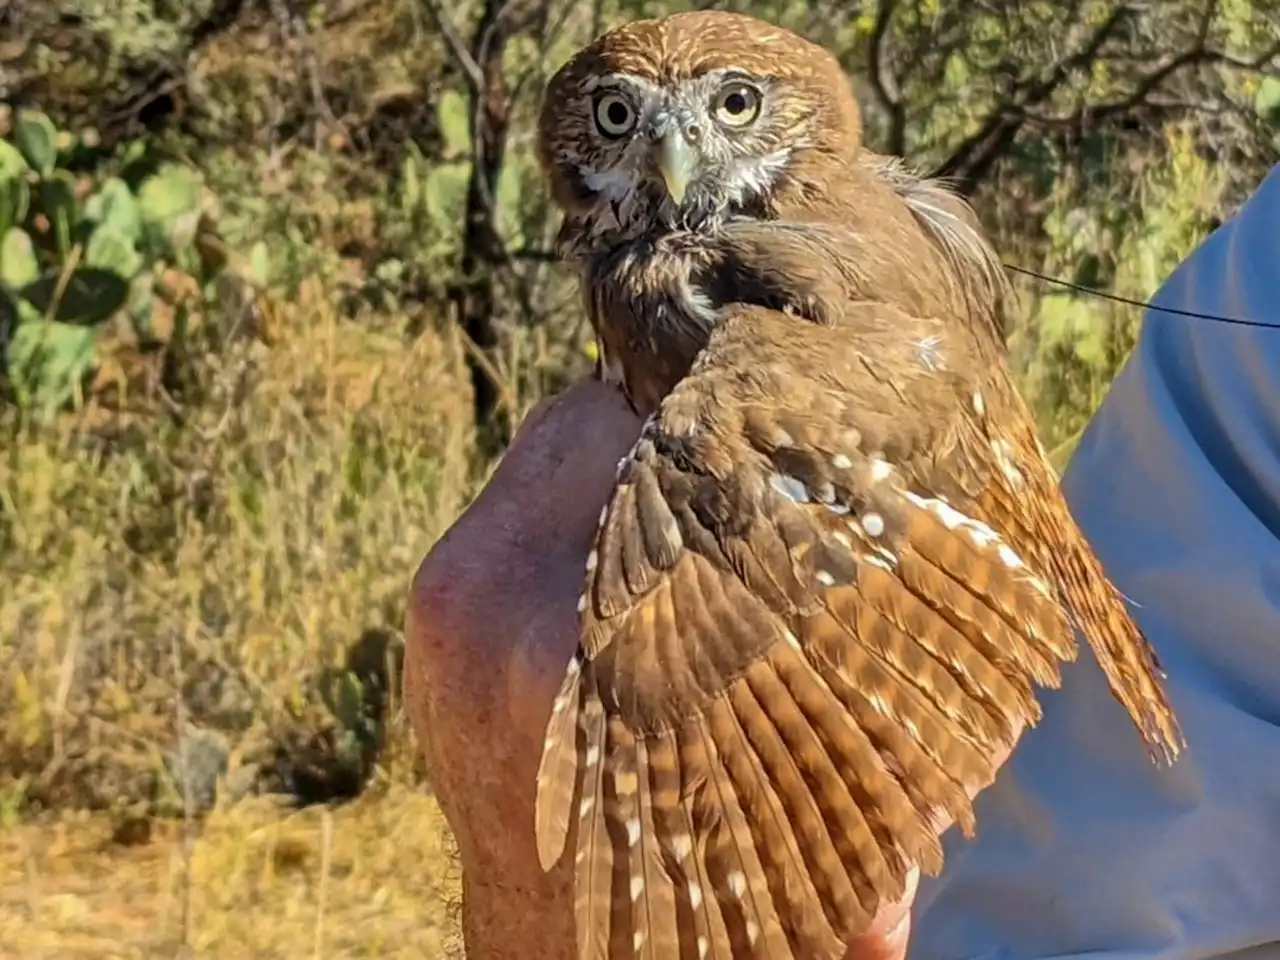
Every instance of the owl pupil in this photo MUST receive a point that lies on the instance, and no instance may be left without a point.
(618, 113)
(735, 103)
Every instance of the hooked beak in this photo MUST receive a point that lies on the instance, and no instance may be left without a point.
(675, 158)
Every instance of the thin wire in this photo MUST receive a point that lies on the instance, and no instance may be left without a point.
(1141, 303)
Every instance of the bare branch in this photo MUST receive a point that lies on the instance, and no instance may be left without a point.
(975, 155)
(534, 255)
(1148, 85)
(476, 297)
(457, 45)
(883, 82)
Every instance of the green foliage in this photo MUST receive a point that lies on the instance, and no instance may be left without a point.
(441, 186)
(37, 139)
(75, 252)
(1073, 344)
(453, 117)
(422, 211)
(1267, 101)
(346, 697)
(15, 194)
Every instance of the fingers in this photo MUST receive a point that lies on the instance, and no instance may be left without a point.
(889, 932)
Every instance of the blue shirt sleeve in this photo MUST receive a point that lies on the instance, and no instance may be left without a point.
(1085, 847)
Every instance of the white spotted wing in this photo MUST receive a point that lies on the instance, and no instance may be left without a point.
(813, 615)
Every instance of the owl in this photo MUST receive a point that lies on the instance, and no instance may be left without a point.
(835, 568)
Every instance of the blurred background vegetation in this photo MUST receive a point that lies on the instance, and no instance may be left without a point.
(274, 292)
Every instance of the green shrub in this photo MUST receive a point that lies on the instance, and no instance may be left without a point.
(78, 251)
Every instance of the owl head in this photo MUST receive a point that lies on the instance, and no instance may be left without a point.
(688, 117)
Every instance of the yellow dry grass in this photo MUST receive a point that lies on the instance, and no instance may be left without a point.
(157, 573)
(373, 878)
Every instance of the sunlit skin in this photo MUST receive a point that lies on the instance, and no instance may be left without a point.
(491, 622)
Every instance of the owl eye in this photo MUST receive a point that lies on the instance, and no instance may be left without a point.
(614, 116)
(736, 104)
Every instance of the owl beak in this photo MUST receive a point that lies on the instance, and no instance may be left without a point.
(675, 158)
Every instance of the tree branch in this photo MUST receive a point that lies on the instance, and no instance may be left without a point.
(475, 296)
(976, 154)
(457, 46)
(883, 82)
(1149, 84)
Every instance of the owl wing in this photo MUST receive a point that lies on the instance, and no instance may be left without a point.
(810, 623)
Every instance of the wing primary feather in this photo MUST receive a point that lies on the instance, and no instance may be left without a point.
(859, 640)
(983, 691)
(1123, 651)
(799, 905)
(731, 851)
(558, 767)
(595, 861)
(1096, 607)
(656, 928)
(932, 761)
(934, 775)
(843, 857)
(876, 833)
(1038, 634)
(673, 792)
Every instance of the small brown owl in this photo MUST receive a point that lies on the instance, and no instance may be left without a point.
(836, 564)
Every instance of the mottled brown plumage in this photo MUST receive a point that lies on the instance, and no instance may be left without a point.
(836, 565)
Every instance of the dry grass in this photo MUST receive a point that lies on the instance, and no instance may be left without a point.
(374, 878)
(208, 574)
(205, 575)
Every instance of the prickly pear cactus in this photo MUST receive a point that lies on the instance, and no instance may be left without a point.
(75, 253)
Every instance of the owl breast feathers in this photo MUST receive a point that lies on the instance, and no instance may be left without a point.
(836, 565)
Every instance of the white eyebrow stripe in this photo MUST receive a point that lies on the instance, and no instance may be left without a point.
(610, 80)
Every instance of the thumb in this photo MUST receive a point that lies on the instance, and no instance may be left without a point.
(887, 937)
(890, 931)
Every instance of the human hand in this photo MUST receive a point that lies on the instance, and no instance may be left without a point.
(491, 625)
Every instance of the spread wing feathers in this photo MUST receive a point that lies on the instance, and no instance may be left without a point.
(1125, 655)
(801, 646)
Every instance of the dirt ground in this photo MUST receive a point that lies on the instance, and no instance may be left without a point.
(375, 878)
